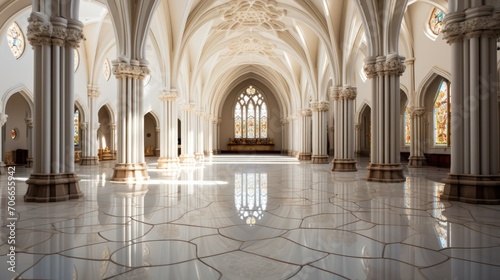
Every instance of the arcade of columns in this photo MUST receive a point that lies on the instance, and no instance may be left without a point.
(472, 32)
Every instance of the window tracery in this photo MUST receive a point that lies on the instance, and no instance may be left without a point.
(436, 21)
(16, 40)
(250, 115)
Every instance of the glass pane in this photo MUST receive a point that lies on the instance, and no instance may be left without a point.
(263, 121)
(76, 120)
(15, 39)
(237, 121)
(251, 121)
(407, 119)
(441, 115)
(436, 21)
(244, 123)
(257, 127)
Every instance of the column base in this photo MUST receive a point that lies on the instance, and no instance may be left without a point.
(317, 159)
(187, 160)
(52, 187)
(130, 173)
(416, 161)
(168, 163)
(89, 161)
(344, 165)
(284, 152)
(199, 157)
(304, 156)
(477, 189)
(389, 173)
(2, 168)
(29, 162)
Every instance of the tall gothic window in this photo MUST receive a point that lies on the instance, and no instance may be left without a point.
(76, 127)
(442, 115)
(250, 115)
(15, 39)
(407, 119)
(436, 21)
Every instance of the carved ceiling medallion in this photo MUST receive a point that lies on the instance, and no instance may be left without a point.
(243, 14)
(252, 45)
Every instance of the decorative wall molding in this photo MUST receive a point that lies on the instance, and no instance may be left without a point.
(252, 14)
(252, 45)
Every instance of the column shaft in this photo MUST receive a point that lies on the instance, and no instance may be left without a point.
(344, 157)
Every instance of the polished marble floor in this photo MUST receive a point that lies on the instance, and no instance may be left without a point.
(252, 217)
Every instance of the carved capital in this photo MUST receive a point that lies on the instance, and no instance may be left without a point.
(358, 126)
(74, 33)
(284, 120)
(93, 91)
(57, 31)
(169, 95)
(3, 119)
(306, 112)
(124, 70)
(335, 93)
(393, 64)
(417, 112)
(84, 126)
(112, 126)
(473, 23)
(348, 93)
(29, 122)
(319, 106)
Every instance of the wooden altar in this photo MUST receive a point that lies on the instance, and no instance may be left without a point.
(250, 144)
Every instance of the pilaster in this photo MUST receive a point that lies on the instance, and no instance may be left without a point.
(417, 126)
(305, 134)
(200, 137)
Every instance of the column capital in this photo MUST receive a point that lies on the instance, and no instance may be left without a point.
(319, 106)
(358, 126)
(335, 93)
(293, 117)
(84, 126)
(122, 69)
(392, 64)
(306, 112)
(284, 120)
(410, 61)
(417, 111)
(3, 119)
(214, 119)
(219, 121)
(169, 95)
(29, 122)
(58, 31)
(112, 126)
(471, 23)
(93, 91)
(348, 93)
(157, 129)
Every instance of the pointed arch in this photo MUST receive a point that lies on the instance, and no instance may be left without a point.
(429, 79)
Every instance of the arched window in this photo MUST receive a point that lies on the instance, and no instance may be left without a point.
(250, 115)
(76, 127)
(436, 21)
(442, 115)
(15, 39)
(407, 119)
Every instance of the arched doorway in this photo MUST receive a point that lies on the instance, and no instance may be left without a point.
(151, 143)
(105, 135)
(16, 131)
(364, 132)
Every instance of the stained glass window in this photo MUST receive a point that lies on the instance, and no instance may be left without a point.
(15, 39)
(107, 69)
(76, 127)
(436, 21)
(407, 119)
(442, 115)
(250, 115)
(76, 59)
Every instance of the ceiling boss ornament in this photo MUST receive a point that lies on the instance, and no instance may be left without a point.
(242, 14)
(251, 45)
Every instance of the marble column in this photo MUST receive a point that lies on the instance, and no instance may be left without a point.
(358, 130)
(54, 34)
(217, 135)
(284, 135)
(199, 131)
(344, 122)
(188, 135)
(131, 165)
(157, 148)
(208, 135)
(84, 136)
(292, 135)
(305, 134)
(112, 142)
(89, 156)
(168, 139)
(472, 30)
(29, 133)
(319, 131)
(384, 73)
(417, 137)
(213, 125)
(3, 120)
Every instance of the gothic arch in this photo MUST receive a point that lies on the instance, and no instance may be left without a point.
(426, 82)
(25, 92)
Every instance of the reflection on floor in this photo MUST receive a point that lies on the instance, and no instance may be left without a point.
(252, 217)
